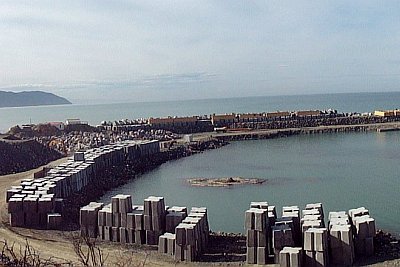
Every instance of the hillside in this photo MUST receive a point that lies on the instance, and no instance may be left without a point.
(30, 98)
(19, 156)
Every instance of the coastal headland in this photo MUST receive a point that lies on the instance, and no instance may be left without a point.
(51, 243)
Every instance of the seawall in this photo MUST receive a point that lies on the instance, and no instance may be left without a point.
(267, 134)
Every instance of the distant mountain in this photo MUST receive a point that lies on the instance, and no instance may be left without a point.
(30, 98)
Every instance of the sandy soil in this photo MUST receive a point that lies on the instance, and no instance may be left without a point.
(57, 244)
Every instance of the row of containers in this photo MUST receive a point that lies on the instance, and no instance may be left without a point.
(295, 239)
(176, 231)
(39, 202)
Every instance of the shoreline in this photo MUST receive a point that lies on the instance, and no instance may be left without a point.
(273, 133)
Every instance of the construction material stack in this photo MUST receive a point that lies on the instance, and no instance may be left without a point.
(256, 227)
(154, 219)
(293, 213)
(364, 231)
(340, 239)
(313, 217)
(191, 236)
(291, 257)
(89, 219)
(175, 215)
(38, 203)
(316, 247)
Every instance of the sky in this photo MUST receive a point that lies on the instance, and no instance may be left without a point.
(98, 51)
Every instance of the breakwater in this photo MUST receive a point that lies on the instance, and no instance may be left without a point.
(268, 134)
(53, 201)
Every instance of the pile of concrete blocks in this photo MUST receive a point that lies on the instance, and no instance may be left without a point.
(120, 221)
(257, 233)
(364, 231)
(175, 215)
(65, 180)
(341, 243)
(313, 217)
(316, 247)
(166, 244)
(88, 219)
(191, 236)
(282, 236)
(293, 213)
(291, 257)
(154, 219)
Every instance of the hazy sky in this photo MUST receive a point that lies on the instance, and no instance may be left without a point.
(120, 51)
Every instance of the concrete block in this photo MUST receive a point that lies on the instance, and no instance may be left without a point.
(117, 219)
(15, 205)
(54, 221)
(249, 220)
(130, 235)
(148, 222)
(109, 218)
(171, 244)
(162, 244)
(123, 235)
(139, 222)
(179, 252)
(260, 219)
(140, 237)
(259, 205)
(115, 234)
(17, 219)
(321, 258)
(262, 238)
(262, 255)
(180, 232)
(369, 246)
(251, 238)
(108, 233)
(251, 255)
(130, 220)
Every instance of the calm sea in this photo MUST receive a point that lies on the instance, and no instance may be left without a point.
(94, 114)
(342, 171)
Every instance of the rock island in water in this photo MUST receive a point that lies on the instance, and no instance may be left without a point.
(224, 182)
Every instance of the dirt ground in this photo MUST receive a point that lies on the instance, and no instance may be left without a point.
(57, 244)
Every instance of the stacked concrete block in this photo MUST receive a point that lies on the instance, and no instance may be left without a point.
(256, 226)
(338, 218)
(313, 217)
(54, 221)
(291, 257)
(175, 215)
(341, 245)
(293, 213)
(89, 219)
(316, 247)
(67, 179)
(282, 236)
(166, 244)
(364, 231)
(154, 219)
(191, 235)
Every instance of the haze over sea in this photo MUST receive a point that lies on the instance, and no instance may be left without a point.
(94, 114)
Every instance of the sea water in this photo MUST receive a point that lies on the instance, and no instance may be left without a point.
(343, 171)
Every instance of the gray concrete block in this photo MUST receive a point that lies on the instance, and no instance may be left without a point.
(262, 255)
(115, 234)
(108, 233)
(249, 220)
(162, 244)
(251, 238)
(179, 252)
(140, 237)
(148, 222)
(130, 235)
(139, 222)
(123, 235)
(251, 255)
